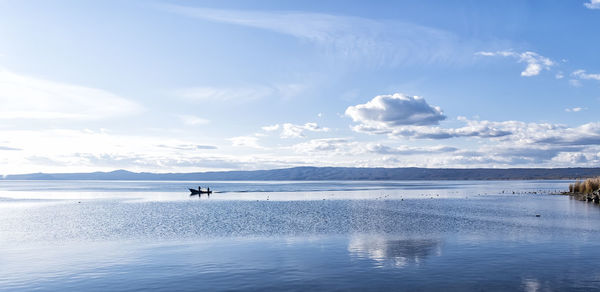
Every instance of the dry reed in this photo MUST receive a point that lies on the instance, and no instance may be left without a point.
(588, 186)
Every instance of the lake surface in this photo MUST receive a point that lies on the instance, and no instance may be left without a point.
(401, 235)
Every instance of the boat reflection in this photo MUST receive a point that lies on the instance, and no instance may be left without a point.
(399, 253)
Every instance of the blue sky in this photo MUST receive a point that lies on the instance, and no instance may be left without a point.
(178, 86)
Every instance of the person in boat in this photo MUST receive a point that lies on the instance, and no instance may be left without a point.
(199, 189)
(208, 190)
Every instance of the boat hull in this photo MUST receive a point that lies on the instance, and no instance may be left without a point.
(197, 192)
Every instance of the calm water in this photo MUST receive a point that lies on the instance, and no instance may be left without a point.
(415, 235)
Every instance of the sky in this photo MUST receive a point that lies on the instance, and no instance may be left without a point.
(185, 86)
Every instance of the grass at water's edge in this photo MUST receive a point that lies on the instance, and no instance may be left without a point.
(587, 190)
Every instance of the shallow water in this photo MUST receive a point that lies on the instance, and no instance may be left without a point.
(456, 235)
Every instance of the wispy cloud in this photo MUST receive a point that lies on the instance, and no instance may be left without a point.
(188, 147)
(581, 74)
(224, 94)
(575, 109)
(289, 130)
(24, 97)
(89, 150)
(575, 83)
(405, 150)
(378, 41)
(193, 120)
(330, 145)
(246, 141)
(535, 62)
(592, 4)
(239, 94)
(6, 148)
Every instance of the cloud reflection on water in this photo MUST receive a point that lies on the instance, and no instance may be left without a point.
(393, 252)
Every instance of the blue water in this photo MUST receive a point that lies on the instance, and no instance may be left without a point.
(415, 235)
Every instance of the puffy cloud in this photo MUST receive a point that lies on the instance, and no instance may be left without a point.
(395, 110)
(481, 129)
(592, 4)
(577, 158)
(514, 155)
(24, 97)
(514, 132)
(345, 146)
(586, 134)
(535, 62)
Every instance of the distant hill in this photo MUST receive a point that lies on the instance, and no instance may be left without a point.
(331, 173)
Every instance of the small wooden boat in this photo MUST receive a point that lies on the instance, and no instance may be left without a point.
(197, 192)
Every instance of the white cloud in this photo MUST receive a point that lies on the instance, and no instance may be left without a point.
(472, 128)
(193, 120)
(480, 129)
(245, 141)
(535, 62)
(271, 128)
(592, 4)
(207, 93)
(238, 94)
(584, 135)
(395, 110)
(65, 150)
(289, 130)
(188, 147)
(502, 154)
(528, 145)
(582, 75)
(24, 97)
(378, 41)
(575, 109)
(329, 145)
(405, 150)
(575, 83)
(297, 131)
(7, 148)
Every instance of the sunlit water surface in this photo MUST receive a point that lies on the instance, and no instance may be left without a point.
(412, 235)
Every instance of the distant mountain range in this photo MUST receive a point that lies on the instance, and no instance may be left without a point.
(331, 173)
